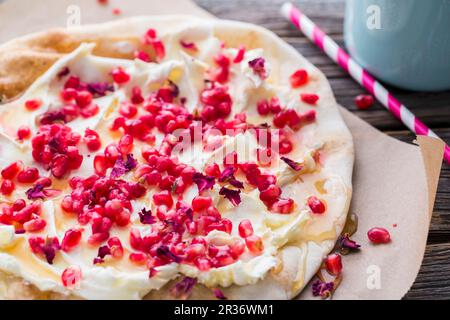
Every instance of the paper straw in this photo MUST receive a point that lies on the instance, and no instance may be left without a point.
(362, 76)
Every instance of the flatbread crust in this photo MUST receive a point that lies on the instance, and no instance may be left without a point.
(23, 60)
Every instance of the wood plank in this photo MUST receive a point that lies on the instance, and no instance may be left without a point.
(434, 276)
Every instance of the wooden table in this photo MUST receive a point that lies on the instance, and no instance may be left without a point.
(433, 281)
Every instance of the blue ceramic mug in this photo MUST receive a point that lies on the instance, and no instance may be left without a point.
(405, 43)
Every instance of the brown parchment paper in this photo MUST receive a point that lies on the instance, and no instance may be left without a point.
(394, 183)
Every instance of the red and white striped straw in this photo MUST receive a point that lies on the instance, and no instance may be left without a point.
(338, 55)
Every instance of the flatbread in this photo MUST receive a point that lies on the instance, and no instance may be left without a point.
(24, 60)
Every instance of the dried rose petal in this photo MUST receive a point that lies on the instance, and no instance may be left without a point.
(38, 192)
(227, 175)
(64, 72)
(234, 196)
(183, 289)
(53, 116)
(152, 272)
(219, 294)
(164, 253)
(322, 289)
(121, 167)
(346, 244)
(35, 192)
(258, 66)
(103, 251)
(145, 216)
(297, 166)
(188, 45)
(100, 88)
(203, 182)
(50, 248)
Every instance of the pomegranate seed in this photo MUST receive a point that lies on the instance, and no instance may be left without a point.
(275, 106)
(7, 187)
(294, 119)
(68, 94)
(71, 111)
(90, 111)
(118, 123)
(116, 11)
(115, 245)
(213, 212)
(240, 55)
(18, 205)
(136, 95)
(263, 107)
(159, 48)
(12, 170)
(203, 264)
(28, 175)
(187, 174)
(113, 208)
(120, 76)
(264, 181)
(100, 164)
(167, 183)
(309, 98)
(163, 198)
(33, 104)
(97, 238)
(36, 244)
(112, 154)
(138, 258)
(245, 228)
(84, 98)
(283, 206)
(333, 264)
(135, 239)
(71, 239)
(25, 214)
(44, 181)
(316, 205)
(379, 235)
(73, 82)
(71, 277)
(237, 248)
(92, 140)
(280, 119)
(128, 110)
(126, 144)
(364, 101)
(195, 250)
(200, 203)
(34, 225)
(142, 55)
(299, 78)
(60, 165)
(228, 225)
(123, 218)
(213, 170)
(285, 146)
(149, 35)
(153, 178)
(270, 194)
(24, 132)
(254, 244)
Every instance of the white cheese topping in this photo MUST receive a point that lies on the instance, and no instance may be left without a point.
(121, 279)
